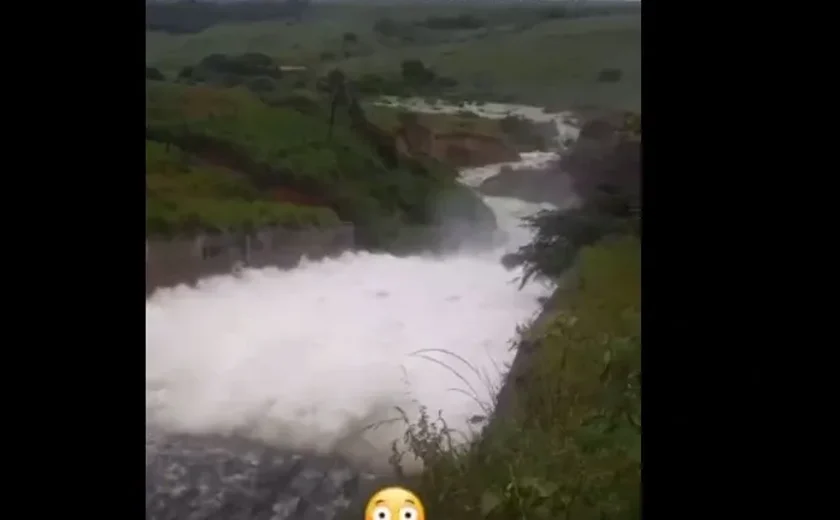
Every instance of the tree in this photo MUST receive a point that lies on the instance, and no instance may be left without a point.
(154, 74)
(186, 73)
(415, 73)
(386, 27)
(338, 95)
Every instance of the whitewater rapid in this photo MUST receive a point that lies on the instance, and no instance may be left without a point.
(311, 358)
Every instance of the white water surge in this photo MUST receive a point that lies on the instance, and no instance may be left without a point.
(307, 358)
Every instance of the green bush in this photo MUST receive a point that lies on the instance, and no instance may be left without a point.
(154, 74)
(288, 145)
(183, 196)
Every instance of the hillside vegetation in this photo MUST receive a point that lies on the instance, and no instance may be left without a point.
(185, 195)
(235, 140)
(570, 447)
(537, 54)
(285, 164)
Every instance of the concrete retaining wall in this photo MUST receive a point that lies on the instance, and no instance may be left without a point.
(170, 262)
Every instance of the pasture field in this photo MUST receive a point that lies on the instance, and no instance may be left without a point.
(507, 54)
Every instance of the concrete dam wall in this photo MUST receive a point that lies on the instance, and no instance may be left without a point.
(174, 261)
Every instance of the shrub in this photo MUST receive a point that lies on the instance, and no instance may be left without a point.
(415, 73)
(154, 74)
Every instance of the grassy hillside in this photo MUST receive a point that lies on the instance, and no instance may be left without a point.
(240, 148)
(554, 63)
(527, 54)
(294, 40)
(185, 194)
(573, 448)
(222, 153)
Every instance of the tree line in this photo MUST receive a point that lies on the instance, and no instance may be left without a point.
(190, 16)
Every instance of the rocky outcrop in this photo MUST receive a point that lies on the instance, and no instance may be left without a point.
(459, 149)
(604, 162)
(546, 184)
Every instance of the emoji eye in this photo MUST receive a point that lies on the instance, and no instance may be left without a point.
(381, 513)
(408, 513)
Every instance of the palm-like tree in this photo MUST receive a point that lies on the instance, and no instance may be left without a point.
(337, 85)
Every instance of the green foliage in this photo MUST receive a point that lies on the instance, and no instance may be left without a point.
(531, 54)
(154, 74)
(281, 147)
(570, 448)
(552, 62)
(183, 196)
(256, 71)
(189, 214)
(302, 101)
(414, 72)
(560, 235)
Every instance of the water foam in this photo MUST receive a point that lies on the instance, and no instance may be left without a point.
(307, 358)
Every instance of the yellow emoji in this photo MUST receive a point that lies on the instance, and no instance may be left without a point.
(394, 503)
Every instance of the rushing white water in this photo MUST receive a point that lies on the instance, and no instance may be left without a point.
(308, 358)
(565, 130)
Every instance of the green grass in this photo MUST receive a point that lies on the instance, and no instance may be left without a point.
(323, 30)
(232, 114)
(571, 449)
(388, 118)
(554, 62)
(289, 43)
(185, 195)
(278, 147)
(279, 137)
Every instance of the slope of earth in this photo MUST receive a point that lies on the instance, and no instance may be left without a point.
(281, 154)
(604, 160)
(185, 194)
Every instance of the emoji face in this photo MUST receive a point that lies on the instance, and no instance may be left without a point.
(394, 503)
